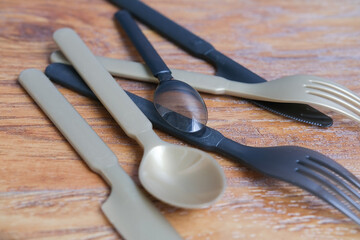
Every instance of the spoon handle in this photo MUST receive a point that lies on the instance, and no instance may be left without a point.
(127, 203)
(111, 95)
(144, 47)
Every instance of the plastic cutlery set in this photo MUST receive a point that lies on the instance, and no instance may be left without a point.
(182, 176)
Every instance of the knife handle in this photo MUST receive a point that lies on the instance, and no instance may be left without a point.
(165, 26)
(127, 208)
(85, 141)
(67, 76)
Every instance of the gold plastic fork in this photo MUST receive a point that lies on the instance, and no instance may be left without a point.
(306, 89)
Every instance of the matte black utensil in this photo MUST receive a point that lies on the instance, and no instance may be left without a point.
(305, 168)
(225, 66)
(171, 96)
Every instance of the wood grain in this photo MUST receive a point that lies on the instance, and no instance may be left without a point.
(47, 192)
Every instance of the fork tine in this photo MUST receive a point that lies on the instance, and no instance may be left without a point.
(335, 99)
(335, 93)
(317, 190)
(331, 175)
(338, 87)
(335, 104)
(323, 181)
(335, 167)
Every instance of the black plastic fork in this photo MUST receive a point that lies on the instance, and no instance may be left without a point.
(305, 168)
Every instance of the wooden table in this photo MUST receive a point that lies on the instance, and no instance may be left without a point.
(46, 190)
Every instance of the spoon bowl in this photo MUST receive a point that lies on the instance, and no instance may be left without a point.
(183, 176)
(180, 105)
(172, 97)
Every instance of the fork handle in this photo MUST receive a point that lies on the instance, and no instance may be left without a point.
(234, 150)
(140, 72)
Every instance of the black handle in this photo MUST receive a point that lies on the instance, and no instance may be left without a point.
(235, 151)
(67, 76)
(166, 27)
(225, 66)
(142, 44)
(231, 70)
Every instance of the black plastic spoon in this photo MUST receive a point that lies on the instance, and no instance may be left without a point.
(171, 96)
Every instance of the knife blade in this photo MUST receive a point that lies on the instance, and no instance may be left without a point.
(127, 207)
(225, 67)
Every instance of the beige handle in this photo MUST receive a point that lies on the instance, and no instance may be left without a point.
(87, 143)
(201, 82)
(114, 98)
(138, 71)
(127, 208)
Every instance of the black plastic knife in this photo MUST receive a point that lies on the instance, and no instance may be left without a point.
(225, 67)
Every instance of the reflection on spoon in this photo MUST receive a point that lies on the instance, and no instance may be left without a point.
(180, 104)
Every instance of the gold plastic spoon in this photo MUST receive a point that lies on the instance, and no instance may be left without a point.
(180, 176)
